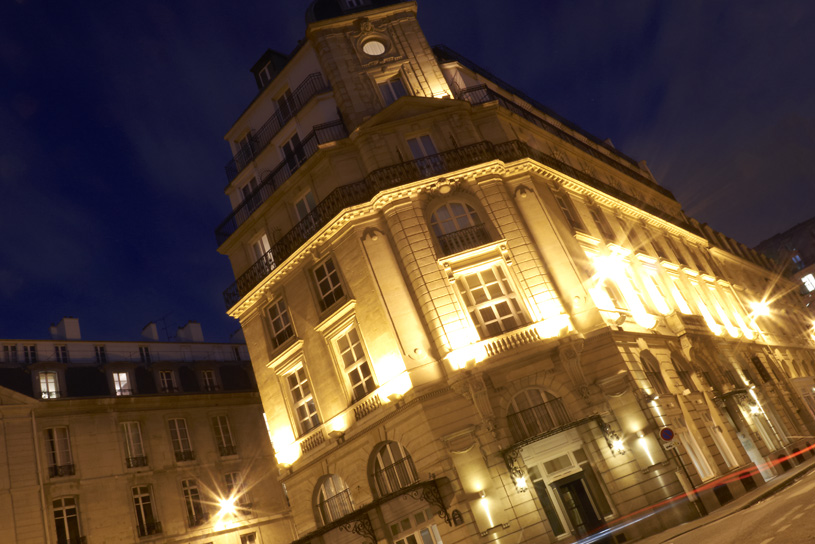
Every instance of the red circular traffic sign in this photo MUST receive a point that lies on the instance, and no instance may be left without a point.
(666, 434)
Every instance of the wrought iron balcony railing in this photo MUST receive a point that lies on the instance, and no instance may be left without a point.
(397, 476)
(464, 239)
(320, 134)
(138, 461)
(537, 419)
(400, 174)
(57, 471)
(152, 528)
(333, 508)
(313, 85)
(185, 455)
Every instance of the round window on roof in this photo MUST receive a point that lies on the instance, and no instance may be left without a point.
(373, 48)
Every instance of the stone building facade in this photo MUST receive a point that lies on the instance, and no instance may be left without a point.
(471, 321)
(145, 441)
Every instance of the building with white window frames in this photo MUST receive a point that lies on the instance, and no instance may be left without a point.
(93, 438)
(489, 313)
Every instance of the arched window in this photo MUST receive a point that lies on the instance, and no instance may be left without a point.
(333, 500)
(458, 228)
(533, 412)
(650, 366)
(393, 469)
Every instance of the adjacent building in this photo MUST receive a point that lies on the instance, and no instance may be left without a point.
(794, 249)
(469, 320)
(148, 441)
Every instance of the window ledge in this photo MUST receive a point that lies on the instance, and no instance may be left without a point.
(284, 352)
(337, 318)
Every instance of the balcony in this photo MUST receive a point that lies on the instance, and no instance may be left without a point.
(312, 440)
(537, 420)
(366, 405)
(227, 450)
(138, 461)
(399, 475)
(464, 239)
(152, 528)
(313, 85)
(401, 174)
(185, 455)
(320, 134)
(58, 471)
(335, 507)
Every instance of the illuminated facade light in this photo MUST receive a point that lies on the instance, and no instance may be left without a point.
(761, 309)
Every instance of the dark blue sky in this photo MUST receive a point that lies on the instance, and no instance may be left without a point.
(112, 117)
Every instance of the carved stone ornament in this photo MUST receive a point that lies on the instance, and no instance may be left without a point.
(569, 353)
(523, 191)
(473, 387)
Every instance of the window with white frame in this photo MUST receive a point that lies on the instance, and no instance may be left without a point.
(304, 205)
(355, 363)
(166, 379)
(58, 452)
(180, 439)
(101, 354)
(329, 286)
(566, 205)
(66, 520)
(121, 384)
(491, 301)
(261, 247)
(61, 353)
(145, 517)
(303, 405)
(223, 435)
(280, 322)
(235, 489)
(415, 529)
(602, 224)
(426, 158)
(809, 282)
(333, 500)
(144, 354)
(393, 469)
(49, 384)
(9, 354)
(196, 515)
(458, 228)
(533, 412)
(392, 89)
(134, 447)
(30, 353)
(249, 538)
(208, 379)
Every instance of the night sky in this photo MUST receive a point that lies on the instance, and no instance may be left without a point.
(112, 117)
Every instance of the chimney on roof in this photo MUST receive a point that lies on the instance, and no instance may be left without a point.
(191, 332)
(150, 332)
(66, 329)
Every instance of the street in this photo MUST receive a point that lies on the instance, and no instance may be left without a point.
(788, 516)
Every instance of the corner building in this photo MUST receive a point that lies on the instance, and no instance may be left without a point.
(469, 320)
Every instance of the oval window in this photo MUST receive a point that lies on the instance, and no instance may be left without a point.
(373, 48)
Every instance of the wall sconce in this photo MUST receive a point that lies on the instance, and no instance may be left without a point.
(650, 397)
(520, 484)
(615, 443)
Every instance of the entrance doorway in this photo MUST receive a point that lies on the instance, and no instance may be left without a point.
(578, 505)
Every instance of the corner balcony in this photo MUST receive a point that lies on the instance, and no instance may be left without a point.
(312, 86)
(394, 176)
(320, 134)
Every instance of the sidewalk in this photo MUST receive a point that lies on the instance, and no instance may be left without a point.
(745, 501)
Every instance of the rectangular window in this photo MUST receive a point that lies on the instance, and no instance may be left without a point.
(30, 353)
(145, 518)
(355, 362)
(144, 354)
(660, 251)
(293, 153)
(328, 284)
(223, 436)
(66, 520)
(166, 380)
(286, 106)
(261, 247)
(305, 205)
(490, 301)
(251, 197)
(602, 225)
(180, 439)
(425, 156)
(58, 450)
(249, 538)
(567, 208)
(10, 354)
(49, 384)
(235, 489)
(392, 90)
(101, 355)
(192, 503)
(680, 257)
(303, 405)
(134, 447)
(121, 384)
(633, 237)
(61, 353)
(281, 323)
(208, 377)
